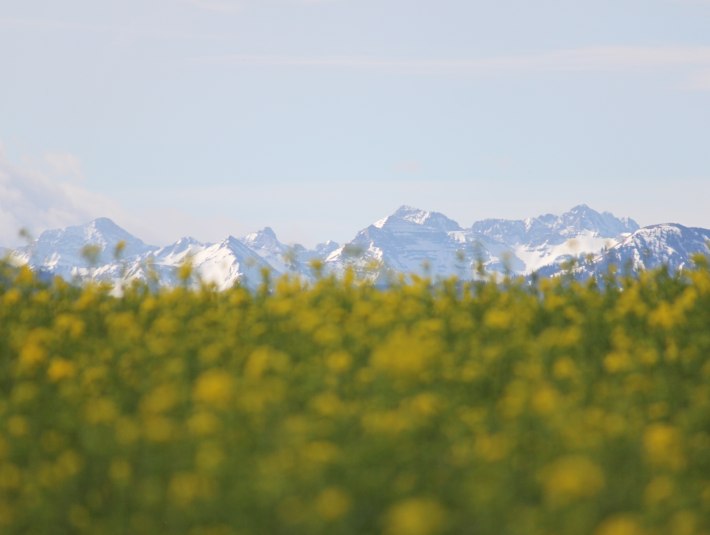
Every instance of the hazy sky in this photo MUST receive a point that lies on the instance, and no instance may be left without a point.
(317, 117)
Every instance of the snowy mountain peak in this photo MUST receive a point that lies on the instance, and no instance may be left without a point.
(409, 240)
(582, 218)
(64, 250)
(104, 224)
(582, 209)
(231, 242)
(408, 214)
(264, 238)
(179, 250)
(667, 244)
(187, 241)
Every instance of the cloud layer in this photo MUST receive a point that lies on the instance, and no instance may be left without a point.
(586, 59)
(36, 200)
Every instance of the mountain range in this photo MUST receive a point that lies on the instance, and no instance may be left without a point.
(408, 241)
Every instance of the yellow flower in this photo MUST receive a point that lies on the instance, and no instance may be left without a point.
(159, 400)
(71, 325)
(415, 516)
(327, 404)
(332, 503)
(620, 524)
(564, 368)
(31, 355)
(101, 410)
(491, 447)
(12, 297)
(617, 361)
(571, 478)
(339, 362)
(203, 423)
(405, 354)
(184, 488)
(545, 399)
(215, 388)
(60, 369)
(663, 317)
(498, 319)
(424, 404)
(663, 446)
(159, 429)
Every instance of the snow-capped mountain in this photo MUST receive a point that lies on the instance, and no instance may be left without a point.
(92, 251)
(408, 241)
(547, 241)
(669, 244)
(551, 229)
(225, 263)
(417, 241)
(178, 252)
(75, 250)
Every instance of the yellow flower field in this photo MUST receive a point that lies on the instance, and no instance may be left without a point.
(500, 408)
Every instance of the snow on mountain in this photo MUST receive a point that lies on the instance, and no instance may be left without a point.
(228, 262)
(549, 240)
(408, 241)
(416, 241)
(581, 219)
(179, 251)
(286, 258)
(222, 264)
(265, 243)
(64, 252)
(669, 244)
(549, 229)
(407, 215)
(323, 250)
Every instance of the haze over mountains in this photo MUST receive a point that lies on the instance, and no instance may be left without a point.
(407, 241)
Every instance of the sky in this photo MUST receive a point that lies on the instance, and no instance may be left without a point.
(318, 117)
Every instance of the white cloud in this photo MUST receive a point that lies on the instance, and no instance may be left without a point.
(584, 59)
(35, 200)
(64, 164)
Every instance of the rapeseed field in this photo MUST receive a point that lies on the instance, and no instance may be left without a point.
(334, 407)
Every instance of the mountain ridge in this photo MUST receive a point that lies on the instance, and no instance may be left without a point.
(410, 241)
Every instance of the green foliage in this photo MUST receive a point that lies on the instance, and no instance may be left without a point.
(337, 407)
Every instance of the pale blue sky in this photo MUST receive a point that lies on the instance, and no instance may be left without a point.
(317, 117)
